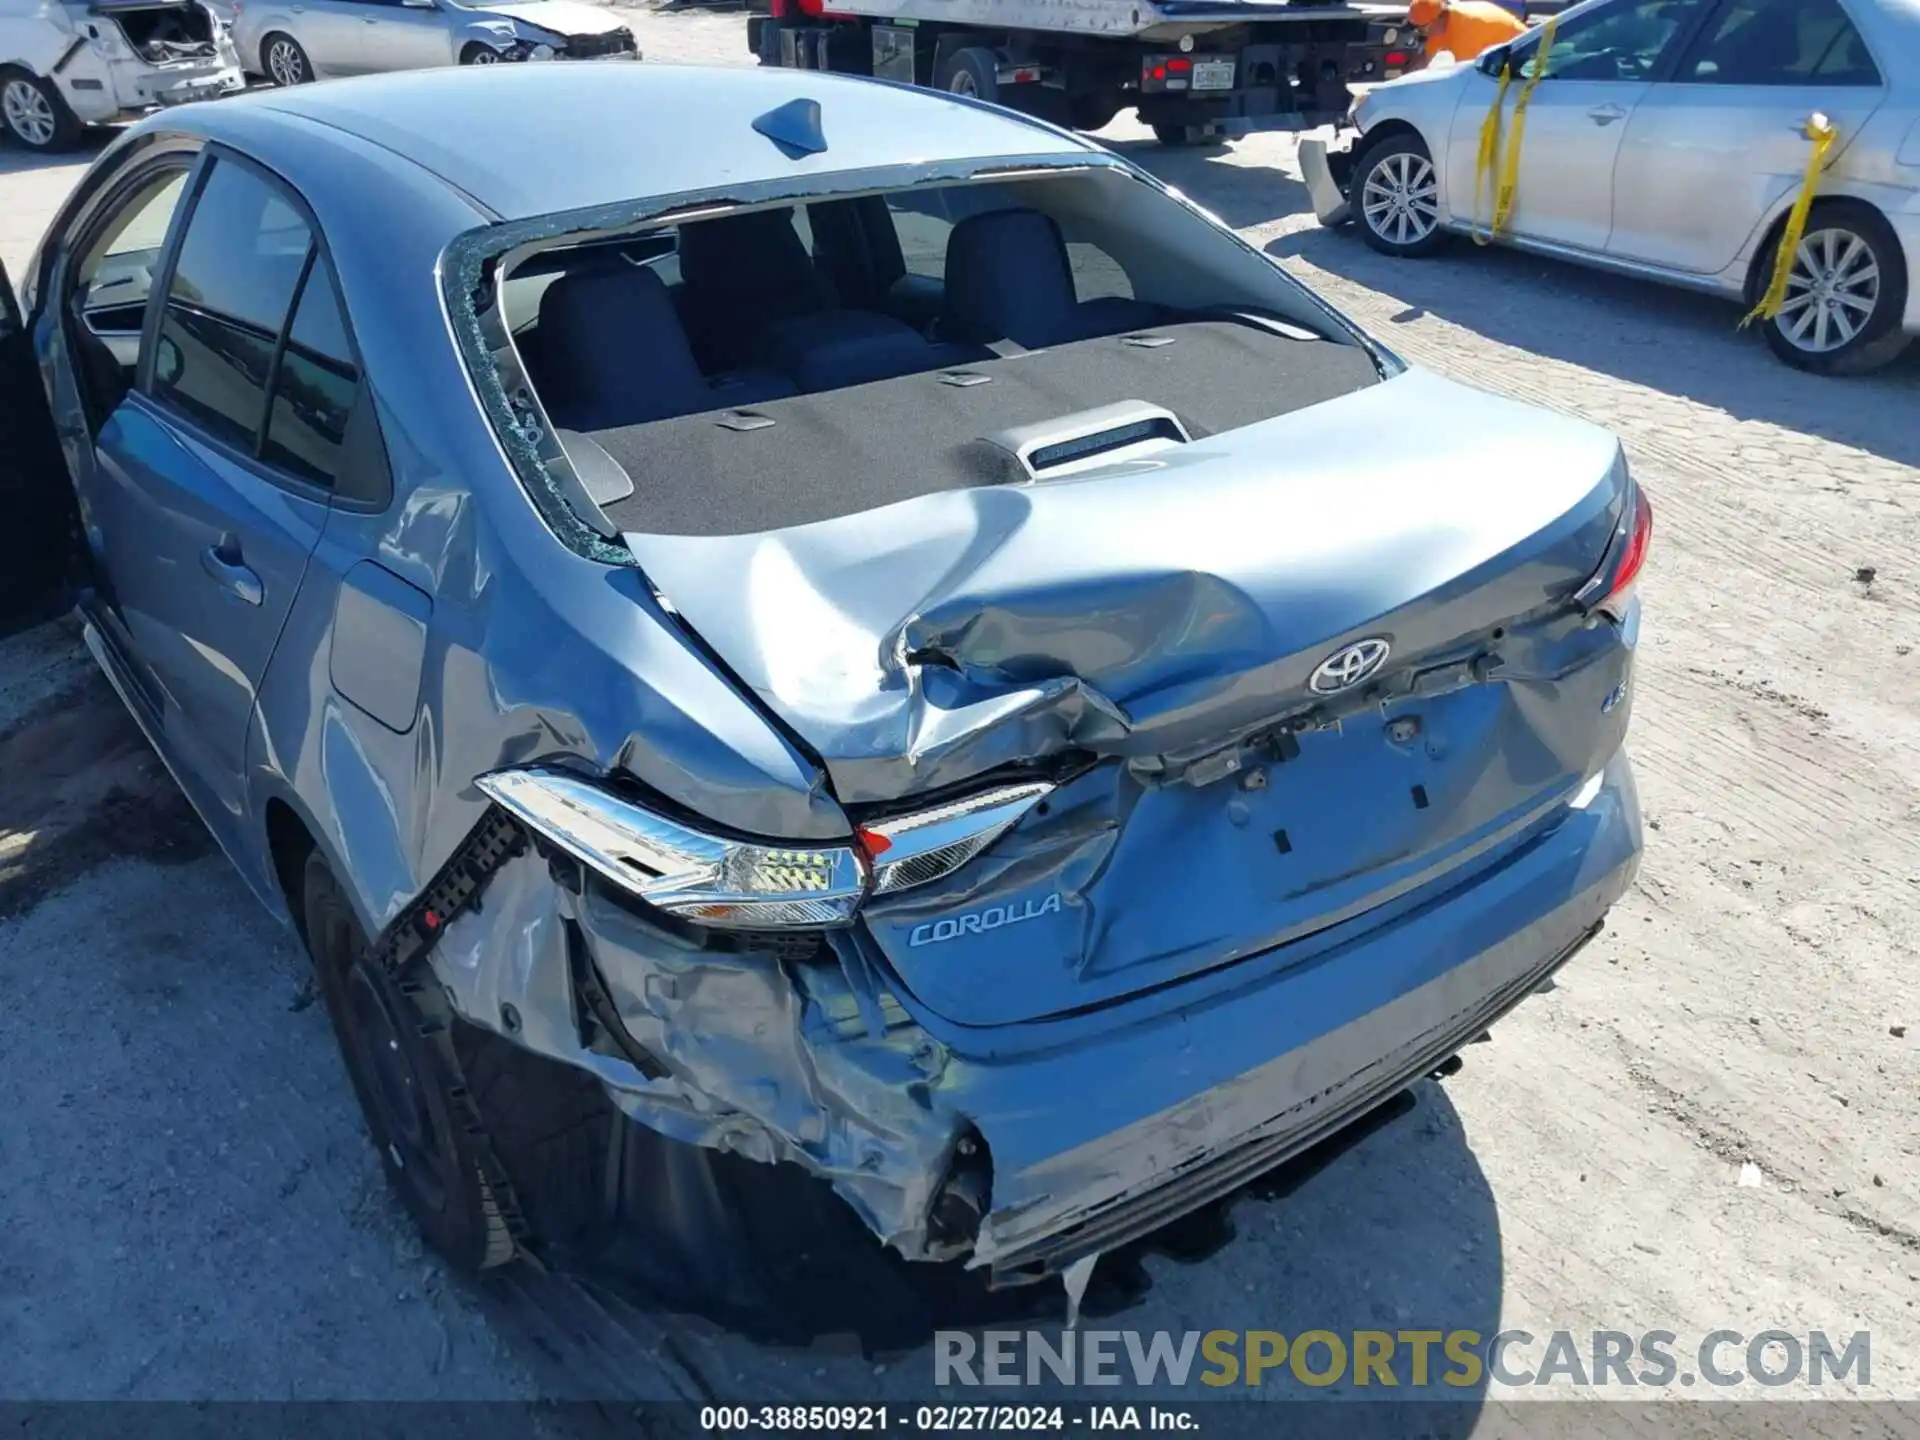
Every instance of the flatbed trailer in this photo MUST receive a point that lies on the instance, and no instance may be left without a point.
(1191, 68)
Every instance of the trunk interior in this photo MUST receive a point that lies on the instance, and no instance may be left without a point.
(164, 33)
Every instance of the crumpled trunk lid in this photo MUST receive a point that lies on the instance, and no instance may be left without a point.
(1158, 624)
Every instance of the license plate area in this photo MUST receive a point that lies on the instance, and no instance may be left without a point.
(1213, 74)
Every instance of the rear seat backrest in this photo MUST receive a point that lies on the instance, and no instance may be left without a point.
(611, 352)
(1008, 278)
(740, 274)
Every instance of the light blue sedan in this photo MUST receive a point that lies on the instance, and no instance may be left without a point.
(884, 656)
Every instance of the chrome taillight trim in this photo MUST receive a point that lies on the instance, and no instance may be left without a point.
(710, 879)
(931, 844)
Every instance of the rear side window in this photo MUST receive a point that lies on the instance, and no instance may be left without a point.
(243, 257)
(314, 393)
(1781, 42)
(253, 344)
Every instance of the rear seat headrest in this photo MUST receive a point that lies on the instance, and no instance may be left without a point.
(1007, 274)
(612, 351)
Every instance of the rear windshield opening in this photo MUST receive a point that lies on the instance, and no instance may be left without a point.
(771, 367)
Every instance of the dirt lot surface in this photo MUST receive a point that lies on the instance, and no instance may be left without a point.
(190, 1209)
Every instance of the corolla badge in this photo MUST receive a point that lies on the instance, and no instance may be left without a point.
(1348, 666)
(978, 922)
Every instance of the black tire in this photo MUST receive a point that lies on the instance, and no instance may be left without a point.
(408, 1101)
(35, 114)
(552, 1126)
(1187, 137)
(1849, 236)
(1403, 177)
(973, 70)
(283, 61)
(1093, 109)
(478, 54)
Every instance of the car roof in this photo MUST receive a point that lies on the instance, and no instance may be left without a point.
(537, 139)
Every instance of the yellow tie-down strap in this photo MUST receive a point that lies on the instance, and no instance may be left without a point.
(1501, 157)
(1822, 132)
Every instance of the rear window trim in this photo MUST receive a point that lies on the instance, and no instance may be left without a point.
(473, 263)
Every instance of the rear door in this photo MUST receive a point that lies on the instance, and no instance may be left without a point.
(1603, 63)
(213, 482)
(393, 36)
(331, 33)
(36, 497)
(1709, 154)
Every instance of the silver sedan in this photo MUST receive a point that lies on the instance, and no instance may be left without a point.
(1668, 139)
(294, 41)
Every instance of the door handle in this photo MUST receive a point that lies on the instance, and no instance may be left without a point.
(1606, 114)
(223, 564)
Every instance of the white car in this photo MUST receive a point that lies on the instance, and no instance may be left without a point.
(1667, 139)
(64, 66)
(294, 41)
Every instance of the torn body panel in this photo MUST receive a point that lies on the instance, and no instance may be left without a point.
(1179, 1095)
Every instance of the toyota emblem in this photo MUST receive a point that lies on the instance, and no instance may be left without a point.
(1348, 666)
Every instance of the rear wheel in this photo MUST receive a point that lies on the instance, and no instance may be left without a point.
(35, 113)
(973, 71)
(548, 1123)
(1845, 293)
(1395, 195)
(284, 61)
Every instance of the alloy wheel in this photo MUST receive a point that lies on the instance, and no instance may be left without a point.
(485, 57)
(1400, 199)
(285, 63)
(1832, 291)
(28, 114)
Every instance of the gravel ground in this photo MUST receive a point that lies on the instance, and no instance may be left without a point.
(190, 1210)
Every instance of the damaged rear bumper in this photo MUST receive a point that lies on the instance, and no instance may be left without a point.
(1098, 1127)
(1327, 167)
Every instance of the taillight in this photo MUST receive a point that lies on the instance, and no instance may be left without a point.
(1611, 586)
(1166, 72)
(1396, 57)
(909, 850)
(691, 872)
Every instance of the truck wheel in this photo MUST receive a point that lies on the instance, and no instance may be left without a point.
(1187, 136)
(1845, 293)
(973, 71)
(284, 61)
(35, 113)
(1395, 197)
(1093, 110)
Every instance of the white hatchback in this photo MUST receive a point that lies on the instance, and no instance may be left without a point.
(1668, 139)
